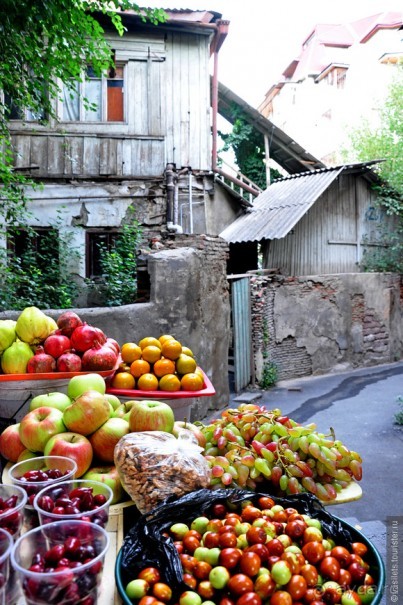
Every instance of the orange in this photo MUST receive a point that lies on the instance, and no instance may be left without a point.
(149, 340)
(200, 372)
(130, 351)
(123, 380)
(191, 382)
(171, 349)
(165, 337)
(147, 382)
(169, 382)
(187, 351)
(163, 366)
(185, 364)
(139, 367)
(151, 353)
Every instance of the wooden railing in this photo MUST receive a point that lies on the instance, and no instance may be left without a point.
(238, 182)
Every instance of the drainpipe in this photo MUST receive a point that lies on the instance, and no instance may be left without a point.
(170, 185)
(219, 37)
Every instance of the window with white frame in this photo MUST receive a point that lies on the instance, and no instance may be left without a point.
(96, 98)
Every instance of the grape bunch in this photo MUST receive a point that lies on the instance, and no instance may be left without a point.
(252, 447)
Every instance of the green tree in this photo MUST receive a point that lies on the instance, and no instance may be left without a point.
(386, 143)
(247, 144)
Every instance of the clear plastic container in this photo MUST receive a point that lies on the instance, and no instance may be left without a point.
(12, 502)
(6, 544)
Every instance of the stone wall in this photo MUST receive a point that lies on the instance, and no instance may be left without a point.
(189, 298)
(318, 324)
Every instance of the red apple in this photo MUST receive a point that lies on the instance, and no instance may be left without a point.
(50, 400)
(104, 439)
(180, 425)
(38, 426)
(11, 445)
(71, 445)
(87, 413)
(109, 475)
(151, 416)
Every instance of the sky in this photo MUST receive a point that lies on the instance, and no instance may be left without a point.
(265, 36)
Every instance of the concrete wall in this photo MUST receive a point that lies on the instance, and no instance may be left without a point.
(189, 298)
(318, 324)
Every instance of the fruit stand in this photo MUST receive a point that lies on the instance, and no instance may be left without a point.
(251, 480)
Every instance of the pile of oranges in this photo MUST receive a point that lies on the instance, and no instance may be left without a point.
(158, 364)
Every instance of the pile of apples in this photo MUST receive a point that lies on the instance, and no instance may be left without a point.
(37, 344)
(85, 424)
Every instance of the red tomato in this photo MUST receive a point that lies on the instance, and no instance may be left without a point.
(249, 598)
(230, 557)
(240, 583)
(281, 597)
(313, 552)
(297, 587)
(250, 563)
(330, 568)
(310, 573)
(227, 540)
(341, 554)
(162, 591)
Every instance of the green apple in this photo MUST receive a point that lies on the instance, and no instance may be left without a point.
(78, 385)
(109, 475)
(38, 426)
(151, 416)
(87, 413)
(104, 439)
(113, 400)
(52, 400)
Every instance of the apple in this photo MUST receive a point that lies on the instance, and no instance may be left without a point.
(27, 455)
(113, 400)
(109, 475)
(104, 439)
(38, 426)
(151, 416)
(87, 413)
(180, 425)
(56, 400)
(11, 445)
(78, 385)
(71, 445)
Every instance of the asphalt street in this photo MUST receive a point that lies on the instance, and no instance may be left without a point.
(360, 406)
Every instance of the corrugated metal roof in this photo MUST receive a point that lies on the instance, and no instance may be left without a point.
(278, 209)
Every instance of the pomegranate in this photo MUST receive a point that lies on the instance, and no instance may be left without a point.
(99, 358)
(113, 344)
(56, 344)
(67, 322)
(85, 337)
(41, 362)
(69, 362)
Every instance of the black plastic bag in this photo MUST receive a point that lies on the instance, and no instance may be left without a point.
(145, 544)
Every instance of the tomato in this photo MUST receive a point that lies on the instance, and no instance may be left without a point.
(211, 539)
(297, 587)
(206, 590)
(330, 568)
(201, 570)
(359, 548)
(240, 583)
(249, 598)
(230, 557)
(162, 591)
(280, 597)
(310, 573)
(275, 547)
(150, 574)
(313, 552)
(227, 540)
(250, 563)
(256, 535)
(341, 554)
(259, 549)
(250, 513)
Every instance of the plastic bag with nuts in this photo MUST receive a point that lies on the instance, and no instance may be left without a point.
(154, 465)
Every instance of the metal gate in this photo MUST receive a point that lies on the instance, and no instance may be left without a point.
(241, 332)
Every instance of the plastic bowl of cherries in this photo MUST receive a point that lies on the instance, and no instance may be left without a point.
(6, 544)
(61, 562)
(78, 499)
(12, 503)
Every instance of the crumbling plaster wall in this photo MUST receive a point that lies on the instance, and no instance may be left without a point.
(317, 324)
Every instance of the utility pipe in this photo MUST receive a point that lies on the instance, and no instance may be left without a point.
(219, 37)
